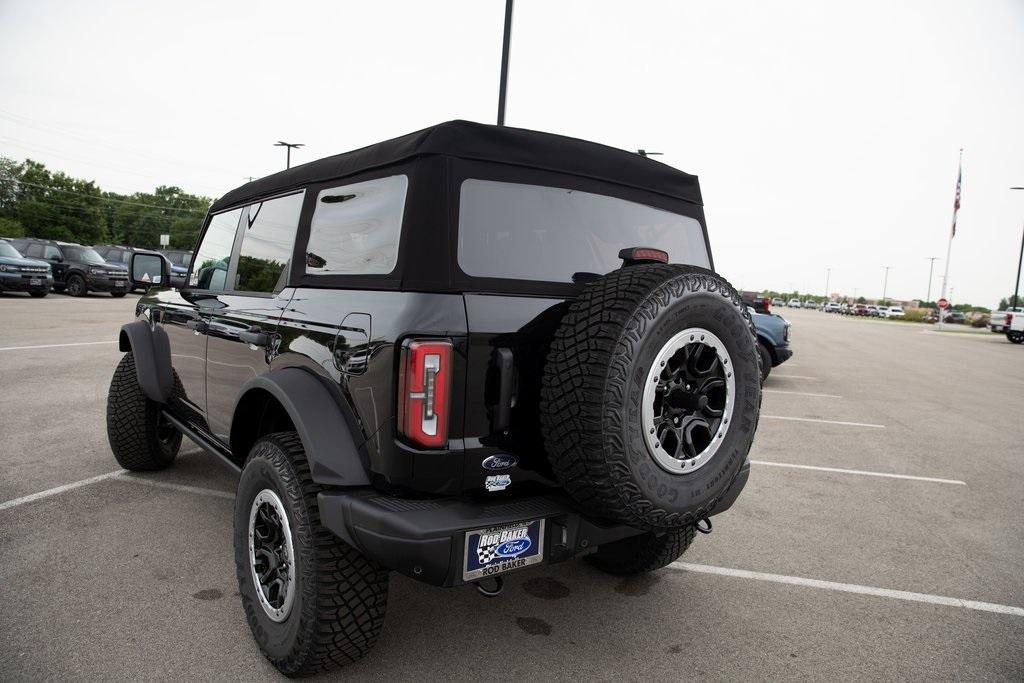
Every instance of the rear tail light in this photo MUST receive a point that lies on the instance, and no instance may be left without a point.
(1009, 319)
(767, 303)
(424, 378)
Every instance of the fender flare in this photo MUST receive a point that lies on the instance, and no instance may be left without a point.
(331, 450)
(152, 351)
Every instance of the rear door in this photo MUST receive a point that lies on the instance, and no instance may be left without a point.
(517, 241)
(242, 323)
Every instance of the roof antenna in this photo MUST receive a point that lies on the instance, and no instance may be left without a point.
(645, 153)
(503, 86)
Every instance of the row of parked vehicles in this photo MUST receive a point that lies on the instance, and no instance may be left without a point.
(37, 266)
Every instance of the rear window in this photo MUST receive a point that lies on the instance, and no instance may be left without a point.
(532, 232)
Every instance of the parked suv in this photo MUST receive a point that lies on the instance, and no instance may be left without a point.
(77, 270)
(455, 354)
(20, 274)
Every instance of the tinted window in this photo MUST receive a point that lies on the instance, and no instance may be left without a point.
(529, 232)
(267, 239)
(50, 252)
(355, 228)
(83, 255)
(215, 252)
(34, 250)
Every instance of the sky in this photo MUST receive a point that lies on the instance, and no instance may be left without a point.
(825, 134)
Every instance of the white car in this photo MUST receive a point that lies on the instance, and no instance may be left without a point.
(881, 311)
(811, 304)
(778, 302)
(832, 307)
(894, 312)
(794, 303)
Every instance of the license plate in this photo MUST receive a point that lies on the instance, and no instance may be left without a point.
(499, 549)
(34, 282)
(119, 284)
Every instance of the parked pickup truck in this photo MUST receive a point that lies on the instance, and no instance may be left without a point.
(1013, 323)
(997, 321)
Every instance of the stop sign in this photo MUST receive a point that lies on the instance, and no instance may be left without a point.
(943, 303)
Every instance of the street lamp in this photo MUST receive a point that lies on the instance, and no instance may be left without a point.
(885, 282)
(1016, 283)
(931, 264)
(288, 146)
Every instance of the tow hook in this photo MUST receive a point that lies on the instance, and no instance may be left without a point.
(499, 583)
(706, 528)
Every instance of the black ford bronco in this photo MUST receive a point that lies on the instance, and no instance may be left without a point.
(455, 354)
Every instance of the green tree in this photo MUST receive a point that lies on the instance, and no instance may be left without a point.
(11, 228)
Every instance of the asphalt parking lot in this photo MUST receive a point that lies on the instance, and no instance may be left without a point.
(880, 535)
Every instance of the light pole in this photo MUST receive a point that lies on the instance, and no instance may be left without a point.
(1020, 259)
(828, 276)
(931, 264)
(503, 85)
(288, 146)
(885, 282)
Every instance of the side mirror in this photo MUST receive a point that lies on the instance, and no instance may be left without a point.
(148, 270)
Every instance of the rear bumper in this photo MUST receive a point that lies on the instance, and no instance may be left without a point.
(425, 539)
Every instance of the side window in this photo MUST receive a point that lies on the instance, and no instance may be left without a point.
(355, 228)
(34, 251)
(214, 254)
(50, 252)
(267, 239)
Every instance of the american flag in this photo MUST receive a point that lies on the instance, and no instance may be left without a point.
(956, 201)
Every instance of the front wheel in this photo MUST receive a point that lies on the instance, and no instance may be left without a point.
(140, 436)
(1015, 337)
(641, 554)
(76, 286)
(312, 601)
(766, 360)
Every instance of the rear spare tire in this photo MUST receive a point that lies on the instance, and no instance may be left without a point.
(651, 395)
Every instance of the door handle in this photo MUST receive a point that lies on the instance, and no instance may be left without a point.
(200, 326)
(254, 336)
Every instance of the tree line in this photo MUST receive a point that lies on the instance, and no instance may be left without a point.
(38, 202)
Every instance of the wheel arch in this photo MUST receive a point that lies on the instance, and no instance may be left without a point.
(151, 349)
(768, 344)
(293, 398)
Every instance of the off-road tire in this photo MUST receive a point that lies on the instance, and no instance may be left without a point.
(592, 390)
(38, 295)
(75, 286)
(766, 360)
(1015, 337)
(118, 295)
(341, 596)
(139, 437)
(641, 554)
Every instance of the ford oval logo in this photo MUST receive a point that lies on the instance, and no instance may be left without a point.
(513, 548)
(502, 461)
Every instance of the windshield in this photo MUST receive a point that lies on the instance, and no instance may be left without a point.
(84, 255)
(550, 234)
(7, 251)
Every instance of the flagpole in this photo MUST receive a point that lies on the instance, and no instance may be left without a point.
(952, 232)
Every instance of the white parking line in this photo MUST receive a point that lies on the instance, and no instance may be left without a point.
(852, 588)
(866, 473)
(178, 487)
(798, 393)
(827, 422)
(58, 489)
(792, 376)
(55, 346)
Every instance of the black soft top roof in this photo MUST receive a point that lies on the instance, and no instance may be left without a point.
(477, 141)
